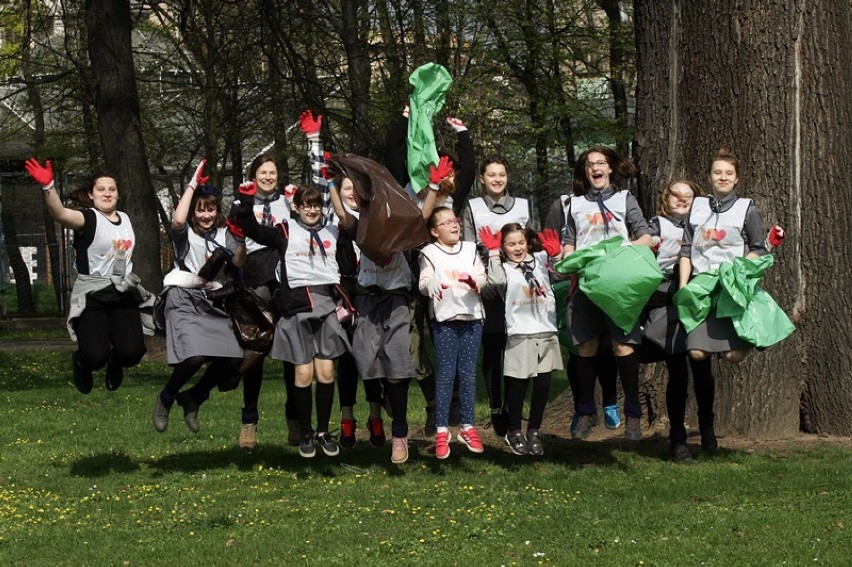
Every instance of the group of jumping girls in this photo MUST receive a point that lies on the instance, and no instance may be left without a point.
(484, 282)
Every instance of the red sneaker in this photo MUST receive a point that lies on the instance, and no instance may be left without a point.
(347, 433)
(471, 438)
(442, 444)
(376, 427)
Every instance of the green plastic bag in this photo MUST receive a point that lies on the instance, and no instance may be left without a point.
(618, 279)
(763, 323)
(431, 83)
(734, 293)
(695, 300)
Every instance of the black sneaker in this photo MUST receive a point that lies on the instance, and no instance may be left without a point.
(306, 446)
(681, 454)
(82, 376)
(114, 375)
(709, 444)
(328, 445)
(190, 411)
(518, 443)
(500, 423)
(534, 444)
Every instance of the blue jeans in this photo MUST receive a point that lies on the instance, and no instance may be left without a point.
(456, 352)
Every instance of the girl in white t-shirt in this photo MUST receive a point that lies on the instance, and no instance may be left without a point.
(451, 275)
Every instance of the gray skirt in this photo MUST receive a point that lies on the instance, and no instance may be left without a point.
(527, 356)
(381, 343)
(661, 327)
(195, 327)
(302, 337)
(586, 321)
(716, 335)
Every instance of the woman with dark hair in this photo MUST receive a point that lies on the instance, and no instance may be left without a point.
(600, 208)
(308, 334)
(494, 209)
(198, 330)
(272, 205)
(104, 317)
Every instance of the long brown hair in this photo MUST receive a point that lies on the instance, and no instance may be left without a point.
(622, 170)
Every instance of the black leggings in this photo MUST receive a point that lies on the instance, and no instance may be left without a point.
(218, 370)
(347, 383)
(252, 381)
(676, 394)
(516, 391)
(109, 330)
(493, 345)
(606, 368)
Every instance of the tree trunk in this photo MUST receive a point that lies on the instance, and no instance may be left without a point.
(618, 57)
(23, 287)
(358, 70)
(771, 79)
(119, 125)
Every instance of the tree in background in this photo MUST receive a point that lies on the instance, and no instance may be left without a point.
(771, 80)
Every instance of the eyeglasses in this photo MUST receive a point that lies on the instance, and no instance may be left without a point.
(601, 163)
(310, 207)
(450, 222)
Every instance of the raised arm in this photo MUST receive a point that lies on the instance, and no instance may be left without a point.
(43, 175)
(466, 173)
(182, 209)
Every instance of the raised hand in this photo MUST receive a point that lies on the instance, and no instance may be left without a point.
(248, 188)
(310, 126)
(437, 174)
(235, 228)
(456, 124)
(775, 238)
(198, 178)
(550, 242)
(490, 240)
(42, 174)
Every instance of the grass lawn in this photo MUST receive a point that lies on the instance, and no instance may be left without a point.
(85, 480)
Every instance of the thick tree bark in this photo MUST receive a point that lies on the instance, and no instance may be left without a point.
(119, 125)
(358, 71)
(771, 79)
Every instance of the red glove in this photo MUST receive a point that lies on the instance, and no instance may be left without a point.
(656, 242)
(456, 124)
(437, 174)
(43, 175)
(490, 240)
(550, 242)
(466, 278)
(198, 178)
(775, 238)
(248, 188)
(310, 125)
(235, 229)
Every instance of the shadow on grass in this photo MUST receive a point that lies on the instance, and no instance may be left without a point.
(101, 465)
(612, 453)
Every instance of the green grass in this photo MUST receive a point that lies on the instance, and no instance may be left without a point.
(85, 480)
(44, 299)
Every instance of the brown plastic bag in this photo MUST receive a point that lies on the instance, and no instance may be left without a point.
(253, 319)
(389, 221)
